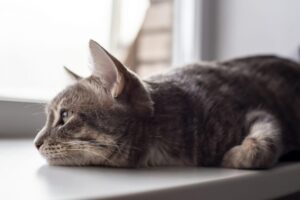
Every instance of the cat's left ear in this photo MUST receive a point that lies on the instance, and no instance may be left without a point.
(107, 68)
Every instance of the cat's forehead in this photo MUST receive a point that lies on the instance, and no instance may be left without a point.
(79, 94)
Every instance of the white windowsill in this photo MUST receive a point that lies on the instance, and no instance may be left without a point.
(25, 175)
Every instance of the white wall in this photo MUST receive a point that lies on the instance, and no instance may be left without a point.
(243, 27)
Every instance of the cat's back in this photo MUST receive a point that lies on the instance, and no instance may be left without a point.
(270, 74)
(277, 72)
(211, 100)
(268, 82)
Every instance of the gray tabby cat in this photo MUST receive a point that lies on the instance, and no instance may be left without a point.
(243, 113)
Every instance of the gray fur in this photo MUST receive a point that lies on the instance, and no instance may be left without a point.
(242, 113)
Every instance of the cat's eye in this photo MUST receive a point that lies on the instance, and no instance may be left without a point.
(64, 116)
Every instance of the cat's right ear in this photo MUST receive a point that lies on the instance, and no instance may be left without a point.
(73, 75)
(123, 84)
(107, 68)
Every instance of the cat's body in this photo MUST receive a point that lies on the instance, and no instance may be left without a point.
(242, 113)
(202, 109)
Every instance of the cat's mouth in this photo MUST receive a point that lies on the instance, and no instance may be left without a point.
(63, 158)
(75, 153)
(53, 153)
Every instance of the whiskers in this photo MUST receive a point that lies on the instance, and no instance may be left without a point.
(88, 152)
(92, 149)
(91, 152)
(90, 143)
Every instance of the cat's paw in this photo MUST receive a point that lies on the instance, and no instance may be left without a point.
(232, 159)
(251, 154)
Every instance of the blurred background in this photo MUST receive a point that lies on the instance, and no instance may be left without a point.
(38, 37)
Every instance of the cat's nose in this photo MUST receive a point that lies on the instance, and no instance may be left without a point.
(39, 139)
(38, 143)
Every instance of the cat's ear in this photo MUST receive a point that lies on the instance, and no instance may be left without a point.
(73, 75)
(107, 68)
(121, 82)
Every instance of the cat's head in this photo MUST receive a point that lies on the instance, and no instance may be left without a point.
(87, 123)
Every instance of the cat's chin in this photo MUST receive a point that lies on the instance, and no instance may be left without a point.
(81, 163)
(65, 161)
(62, 162)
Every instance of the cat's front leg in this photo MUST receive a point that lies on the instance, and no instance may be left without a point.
(261, 148)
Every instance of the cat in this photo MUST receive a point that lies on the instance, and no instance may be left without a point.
(242, 113)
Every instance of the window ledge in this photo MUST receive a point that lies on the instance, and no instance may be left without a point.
(25, 175)
(21, 117)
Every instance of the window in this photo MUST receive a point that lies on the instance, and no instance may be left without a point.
(38, 37)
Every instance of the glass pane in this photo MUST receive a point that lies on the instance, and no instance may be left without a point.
(39, 37)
